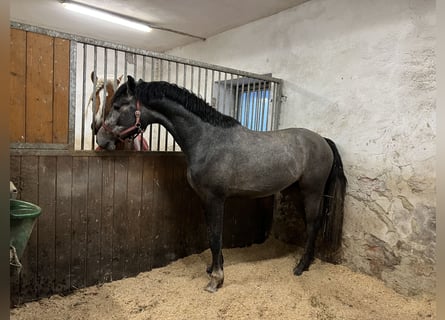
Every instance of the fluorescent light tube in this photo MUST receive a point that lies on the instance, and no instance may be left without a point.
(96, 13)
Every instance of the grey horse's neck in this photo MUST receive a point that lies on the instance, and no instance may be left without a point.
(188, 129)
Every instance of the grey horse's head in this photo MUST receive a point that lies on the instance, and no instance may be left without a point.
(121, 117)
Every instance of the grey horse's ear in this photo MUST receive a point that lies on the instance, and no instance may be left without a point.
(131, 85)
(93, 76)
(140, 81)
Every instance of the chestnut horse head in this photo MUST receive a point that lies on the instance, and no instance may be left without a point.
(102, 108)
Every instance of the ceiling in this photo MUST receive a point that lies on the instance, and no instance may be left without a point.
(201, 18)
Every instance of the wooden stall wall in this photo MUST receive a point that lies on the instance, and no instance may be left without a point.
(112, 216)
(39, 88)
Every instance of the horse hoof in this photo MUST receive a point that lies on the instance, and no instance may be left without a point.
(213, 285)
(210, 288)
(298, 270)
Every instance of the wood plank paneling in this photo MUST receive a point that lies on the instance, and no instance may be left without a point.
(108, 217)
(94, 211)
(46, 226)
(39, 88)
(14, 172)
(63, 224)
(79, 222)
(147, 228)
(134, 202)
(14, 280)
(61, 90)
(158, 219)
(120, 217)
(17, 95)
(29, 191)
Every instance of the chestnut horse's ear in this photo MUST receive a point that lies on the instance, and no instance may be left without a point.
(131, 85)
(119, 79)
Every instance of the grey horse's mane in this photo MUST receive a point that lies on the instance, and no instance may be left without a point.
(147, 91)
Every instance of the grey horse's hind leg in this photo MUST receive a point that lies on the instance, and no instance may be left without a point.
(313, 215)
(214, 211)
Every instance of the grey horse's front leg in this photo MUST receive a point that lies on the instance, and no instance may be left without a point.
(214, 211)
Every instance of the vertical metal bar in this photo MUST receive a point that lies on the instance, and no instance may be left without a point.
(176, 73)
(268, 110)
(191, 78)
(199, 81)
(152, 76)
(82, 137)
(160, 74)
(211, 88)
(176, 81)
(248, 105)
(144, 67)
(257, 106)
(168, 70)
(150, 136)
(163, 128)
(167, 134)
(266, 107)
(206, 84)
(232, 100)
(262, 104)
(135, 75)
(184, 76)
(94, 94)
(236, 108)
(104, 93)
(271, 105)
(245, 99)
(252, 106)
(161, 69)
(72, 96)
(224, 95)
(218, 104)
(114, 70)
(166, 140)
(125, 65)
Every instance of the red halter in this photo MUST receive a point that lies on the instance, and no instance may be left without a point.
(137, 126)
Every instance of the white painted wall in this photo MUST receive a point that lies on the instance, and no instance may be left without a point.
(363, 74)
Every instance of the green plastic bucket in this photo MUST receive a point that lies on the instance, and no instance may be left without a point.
(22, 219)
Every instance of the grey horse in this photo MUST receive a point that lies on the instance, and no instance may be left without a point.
(225, 159)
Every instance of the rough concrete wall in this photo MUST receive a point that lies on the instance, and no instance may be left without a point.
(363, 74)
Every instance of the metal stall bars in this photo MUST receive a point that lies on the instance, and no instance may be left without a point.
(252, 99)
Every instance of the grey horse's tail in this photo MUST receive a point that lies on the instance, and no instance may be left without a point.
(334, 196)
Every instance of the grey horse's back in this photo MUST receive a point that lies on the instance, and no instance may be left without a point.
(252, 163)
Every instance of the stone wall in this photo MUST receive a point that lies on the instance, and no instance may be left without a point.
(363, 74)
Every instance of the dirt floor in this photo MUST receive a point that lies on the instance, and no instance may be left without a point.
(259, 284)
